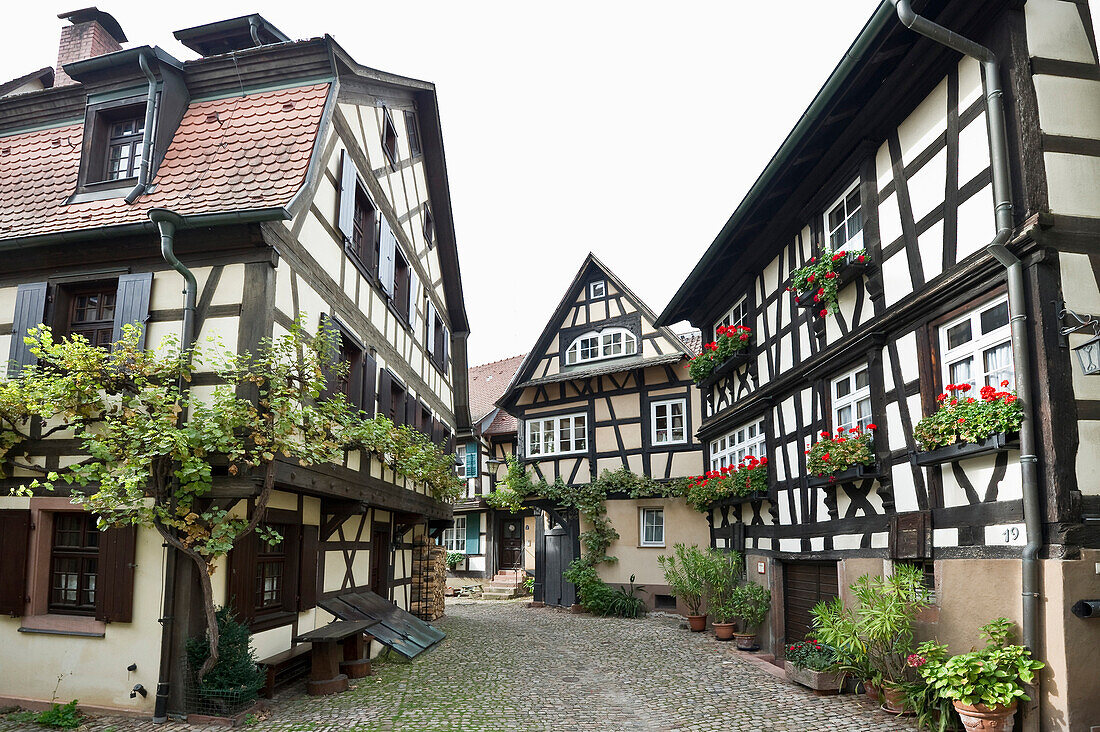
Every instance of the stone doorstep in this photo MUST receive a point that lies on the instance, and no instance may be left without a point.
(764, 661)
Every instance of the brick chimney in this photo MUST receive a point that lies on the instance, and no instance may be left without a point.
(92, 33)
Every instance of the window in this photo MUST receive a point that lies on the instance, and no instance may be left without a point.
(557, 435)
(271, 571)
(844, 221)
(668, 421)
(454, 539)
(653, 527)
(976, 348)
(851, 398)
(737, 315)
(928, 579)
(735, 446)
(597, 289)
(413, 133)
(124, 147)
(364, 239)
(467, 460)
(429, 227)
(348, 379)
(92, 313)
(402, 281)
(609, 343)
(74, 559)
(389, 137)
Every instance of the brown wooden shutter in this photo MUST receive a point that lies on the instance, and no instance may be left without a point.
(292, 538)
(418, 423)
(132, 303)
(911, 535)
(370, 383)
(30, 309)
(411, 409)
(437, 432)
(385, 393)
(307, 578)
(241, 579)
(450, 447)
(445, 354)
(347, 196)
(114, 601)
(15, 532)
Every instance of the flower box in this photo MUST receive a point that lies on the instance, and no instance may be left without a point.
(856, 472)
(1000, 442)
(738, 500)
(727, 367)
(823, 681)
(847, 271)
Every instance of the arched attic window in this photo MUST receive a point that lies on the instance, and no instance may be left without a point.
(595, 346)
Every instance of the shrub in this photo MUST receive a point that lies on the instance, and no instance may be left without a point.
(454, 559)
(731, 339)
(599, 598)
(728, 482)
(884, 618)
(686, 575)
(60, 716)
(723, 571)
(962, 418)
(751, 603)
(235, 679)
(811, 654)
(847, 449)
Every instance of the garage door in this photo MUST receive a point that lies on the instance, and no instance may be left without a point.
(804, 585)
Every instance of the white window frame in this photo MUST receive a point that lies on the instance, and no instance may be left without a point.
(604, 346)
(977, 347)
(454, 540)
(642, 514)
(666, 435)
(857, 399)
(535, 429)
(600, 285)
(851, 241)
(737, 444)
(734, 316)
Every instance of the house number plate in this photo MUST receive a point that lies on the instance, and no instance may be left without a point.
(1006, 535)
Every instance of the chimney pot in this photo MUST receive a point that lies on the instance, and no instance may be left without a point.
(92, 33)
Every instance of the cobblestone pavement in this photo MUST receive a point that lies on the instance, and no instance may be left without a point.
(504, 666)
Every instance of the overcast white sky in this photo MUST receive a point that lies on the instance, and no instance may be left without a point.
(630, 129)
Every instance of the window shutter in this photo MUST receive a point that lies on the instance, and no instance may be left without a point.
(115, 580)
(414, 297)
(437, 431)
(132, 303)
(471, 460)
(292, 540)
(307, 578)
(429, 328)
(388, 251)
(30, 309)
(347, 196)
(410, 410)
(419, 422)
(445, 351)
(385, 393)
(473, 533)
(241, 580)
(15, 531)
(370, 383)
(449, 449)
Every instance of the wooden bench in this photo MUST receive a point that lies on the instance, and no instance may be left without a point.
(338, 648)
(282, 668)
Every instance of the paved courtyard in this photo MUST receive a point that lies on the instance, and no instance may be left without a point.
(504, 666)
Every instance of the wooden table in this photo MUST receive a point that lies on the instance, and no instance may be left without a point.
(338, 652)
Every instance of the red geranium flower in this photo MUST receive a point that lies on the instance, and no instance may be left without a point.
(871, 427)
(825, 457)
(824, 313)
(859, 258)
(830, 275)
(1004, 383)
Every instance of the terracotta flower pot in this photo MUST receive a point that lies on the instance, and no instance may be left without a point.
(723, 631)
(872, 691)
(697, 623)
(981, 717)
(745, 641)
(893, 697)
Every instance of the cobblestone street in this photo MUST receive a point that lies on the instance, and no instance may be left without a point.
(504, 666)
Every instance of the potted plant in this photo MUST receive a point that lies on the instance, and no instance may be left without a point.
(732, 340)
(837, 626)
(454, 559)
(685, 574)
(723, 573)
(750, 476)
(811, 663)
(844, 456)
(963, 426)
(983, 685)
(817, 285)
(752, 602)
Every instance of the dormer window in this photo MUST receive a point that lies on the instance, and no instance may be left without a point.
(844, 221)
(597, 289)
(610, 343)
(124, 147)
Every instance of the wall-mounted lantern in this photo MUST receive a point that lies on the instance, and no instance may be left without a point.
(1088, 353)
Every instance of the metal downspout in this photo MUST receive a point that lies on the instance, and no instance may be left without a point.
(147, 139)
(254, 29)
(1017, 303)
(167, 222)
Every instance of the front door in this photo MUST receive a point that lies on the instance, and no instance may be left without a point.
(804, 585)
(380, 562)
(511, 543)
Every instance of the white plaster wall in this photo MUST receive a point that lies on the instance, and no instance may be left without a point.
(1054, 30)
(1071, 182)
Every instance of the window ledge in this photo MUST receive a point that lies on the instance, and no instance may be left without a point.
(652, 546)
(273, 620)
(53, 624)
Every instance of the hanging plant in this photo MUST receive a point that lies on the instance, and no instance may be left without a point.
(962, 418)
(731, 339)
(729, 482)
(837, 453)
(821, 278)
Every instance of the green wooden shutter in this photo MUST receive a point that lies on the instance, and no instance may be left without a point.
(471, 460)
(473, 533)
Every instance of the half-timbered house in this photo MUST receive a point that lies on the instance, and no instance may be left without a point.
(604, 388)
(294, 182)
(893, 157)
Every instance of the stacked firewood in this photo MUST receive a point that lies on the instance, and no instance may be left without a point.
(430, 566)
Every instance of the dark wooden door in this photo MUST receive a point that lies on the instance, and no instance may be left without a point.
(804, 585)
(511, 543)
(380, 562)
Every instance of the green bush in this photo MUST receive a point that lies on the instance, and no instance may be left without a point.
(60, 716)
(751, 603)
(599, 598)
(235, 673)
(723, 572)
(686, 575)
(454, 559)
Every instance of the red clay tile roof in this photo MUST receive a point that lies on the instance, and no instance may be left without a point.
(253, 154)
(503, 424)
(488, 383)
(692, 340)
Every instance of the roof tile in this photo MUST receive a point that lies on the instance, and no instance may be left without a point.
(488, 383)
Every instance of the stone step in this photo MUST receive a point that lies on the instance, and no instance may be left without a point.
(499, 594)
